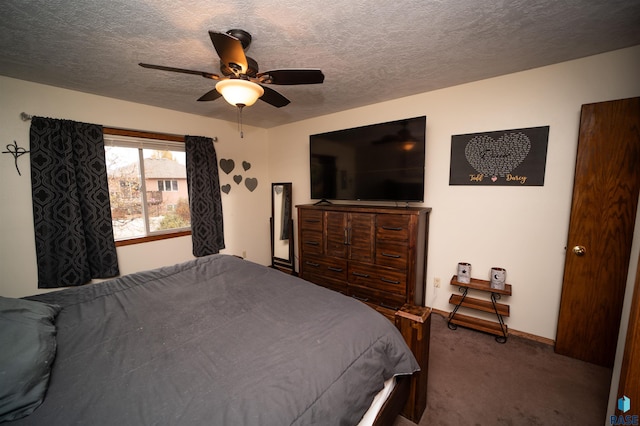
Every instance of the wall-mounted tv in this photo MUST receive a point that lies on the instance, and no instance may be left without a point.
(378, 162)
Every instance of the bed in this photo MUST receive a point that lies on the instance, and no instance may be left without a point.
(217, 340)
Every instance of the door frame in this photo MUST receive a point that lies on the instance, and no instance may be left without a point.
(629, 379)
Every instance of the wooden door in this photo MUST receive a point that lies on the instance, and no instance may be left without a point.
(336, 234)
(605, 199)
(350, 235)
(361, 237)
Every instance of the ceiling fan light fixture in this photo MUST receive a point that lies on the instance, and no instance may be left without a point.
(239, 92)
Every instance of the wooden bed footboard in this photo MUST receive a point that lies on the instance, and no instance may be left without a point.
(414, 323)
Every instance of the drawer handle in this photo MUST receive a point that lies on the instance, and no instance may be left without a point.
(331, 268)
(312, 243)
(394, 256)
(315, 265)
(384, 305)
(312, 220)
(389, 281)
(362, 299)
(391, 228)
(358, 274)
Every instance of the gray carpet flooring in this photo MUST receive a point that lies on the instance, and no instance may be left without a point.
(473, 380)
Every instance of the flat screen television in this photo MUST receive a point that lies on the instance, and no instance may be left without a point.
(378, 162)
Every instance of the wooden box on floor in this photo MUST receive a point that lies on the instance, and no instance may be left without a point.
(414, 323)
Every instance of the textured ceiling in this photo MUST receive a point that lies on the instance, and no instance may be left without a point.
(370, 51)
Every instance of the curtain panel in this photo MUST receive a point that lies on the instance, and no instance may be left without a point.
(71, 209)
(205, 202)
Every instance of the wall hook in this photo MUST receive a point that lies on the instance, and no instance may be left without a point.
(16, 151)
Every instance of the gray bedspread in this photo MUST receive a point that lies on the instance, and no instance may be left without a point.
(216, 341)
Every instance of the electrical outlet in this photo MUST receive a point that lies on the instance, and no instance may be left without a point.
(244, 254)
(436, 282)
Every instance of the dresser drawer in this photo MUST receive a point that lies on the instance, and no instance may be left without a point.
(392, 227)
(391, 254)
(377, 299)
(378, 278)
(324, 281)
(311, 220)
(311, 241)
(329, 267)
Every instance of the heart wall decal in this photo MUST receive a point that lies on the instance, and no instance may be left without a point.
(251, 183)
(227, 166)
(507, 157)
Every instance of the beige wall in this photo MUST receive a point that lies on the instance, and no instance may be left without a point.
(246, 214)
(522, 229)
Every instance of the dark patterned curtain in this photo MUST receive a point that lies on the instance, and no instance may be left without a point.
(205, 203)
(71, 210)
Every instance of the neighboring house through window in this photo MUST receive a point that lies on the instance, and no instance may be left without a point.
(147, 186)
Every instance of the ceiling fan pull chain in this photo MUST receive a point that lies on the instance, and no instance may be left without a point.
(240, 107)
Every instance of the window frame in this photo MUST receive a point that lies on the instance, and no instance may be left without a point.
(110, 131)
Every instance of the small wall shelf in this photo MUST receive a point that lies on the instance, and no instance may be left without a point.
(499, 329)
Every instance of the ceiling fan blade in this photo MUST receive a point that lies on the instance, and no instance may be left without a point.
(292, 76)
(211, 95)
(181, 70)
(274, 98)
(230, 51)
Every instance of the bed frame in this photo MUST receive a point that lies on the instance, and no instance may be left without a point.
(394, 404)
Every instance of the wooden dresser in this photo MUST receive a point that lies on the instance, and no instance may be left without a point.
(374, 254)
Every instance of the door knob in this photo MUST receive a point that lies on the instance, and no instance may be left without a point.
(579, 250)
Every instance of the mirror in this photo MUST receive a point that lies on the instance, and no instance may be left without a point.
(281, 228)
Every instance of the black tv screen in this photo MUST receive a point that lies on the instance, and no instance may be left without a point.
(378, 162)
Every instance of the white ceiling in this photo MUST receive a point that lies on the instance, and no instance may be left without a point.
(370, 51)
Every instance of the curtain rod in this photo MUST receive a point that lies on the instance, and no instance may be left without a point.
(128, 132)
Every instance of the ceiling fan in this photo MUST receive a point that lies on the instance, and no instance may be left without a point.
(241, 83)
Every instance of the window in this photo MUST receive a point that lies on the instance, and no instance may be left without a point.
(147, 187)
(167, 185)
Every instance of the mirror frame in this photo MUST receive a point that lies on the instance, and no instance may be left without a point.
(281, 263)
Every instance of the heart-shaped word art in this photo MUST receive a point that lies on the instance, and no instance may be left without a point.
(251, 183)
(499, 157)
(237, 178)
(226, 188)
(246, 165)
(227, 165)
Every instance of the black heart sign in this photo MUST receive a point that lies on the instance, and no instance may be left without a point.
(246, 165)
(227, 165)
(226, 188)
(499, 157)
(251, 183)
(237, 178)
